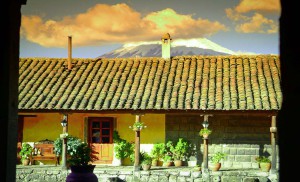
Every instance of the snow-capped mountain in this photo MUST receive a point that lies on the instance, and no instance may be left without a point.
(200, 46)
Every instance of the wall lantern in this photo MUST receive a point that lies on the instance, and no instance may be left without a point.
(64, 122)
(205, 124)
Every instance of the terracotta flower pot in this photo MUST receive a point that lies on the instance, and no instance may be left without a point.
(178, 163)
(205, 135)
(146, 167)
(215, 166)
(197, 168)
(265, 166)
(167, 164)
(25, 162)
(154, 162)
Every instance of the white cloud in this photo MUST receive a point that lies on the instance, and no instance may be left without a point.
(257, 22)
(258, 5)
(106, 24)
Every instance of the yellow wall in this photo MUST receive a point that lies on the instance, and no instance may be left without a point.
(39, 126)
(154, 133)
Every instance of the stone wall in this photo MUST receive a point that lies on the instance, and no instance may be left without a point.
(242, 137)
(163, 175)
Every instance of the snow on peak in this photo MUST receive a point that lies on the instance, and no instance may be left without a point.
(135, 44)
(201, 43)
(196, 42)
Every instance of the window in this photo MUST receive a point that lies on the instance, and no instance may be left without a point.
(100, 130)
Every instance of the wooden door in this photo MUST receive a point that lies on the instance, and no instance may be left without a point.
(100, 137)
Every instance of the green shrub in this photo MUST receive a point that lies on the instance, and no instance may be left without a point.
(72, 143)
(167, 158)
(262, 159)
(81, 156)
(145, 158)
(116, 137)
(124, 149)
(158, 151)
(178, 150)
(217, 157)
(25, 151)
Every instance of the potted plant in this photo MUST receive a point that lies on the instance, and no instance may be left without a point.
(146, 161)
(157, 153)
(197, 168)
(264, 163)
(178, 150)
(72, 143)
(167, 160)
(80, 161)
(123, 150)
(25, 153)
(137, 126)
(81, 156)
(205, 132)
(192, 155)
(215, 160)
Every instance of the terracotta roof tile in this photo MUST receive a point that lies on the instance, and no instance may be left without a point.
(248, 82)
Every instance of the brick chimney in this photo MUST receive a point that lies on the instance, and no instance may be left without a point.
(166, 46)
(69, 52)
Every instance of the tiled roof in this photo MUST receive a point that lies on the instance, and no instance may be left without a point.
(182, 83)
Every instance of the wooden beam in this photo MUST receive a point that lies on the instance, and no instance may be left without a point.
(205, 146)
(206, 116)
(64, 144)
(137, 145)
(273, 130)
(160, 111)
(205, 153)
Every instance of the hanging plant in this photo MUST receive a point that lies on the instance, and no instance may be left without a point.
(138, 126)
(205, 132)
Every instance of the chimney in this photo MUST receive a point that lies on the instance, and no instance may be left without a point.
(166, 46)
(69, 52)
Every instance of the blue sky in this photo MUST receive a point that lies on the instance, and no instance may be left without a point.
(99, 26)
